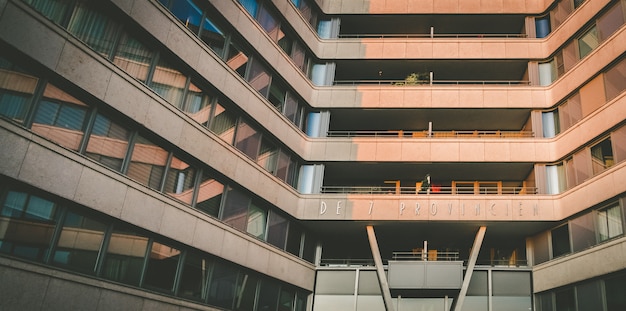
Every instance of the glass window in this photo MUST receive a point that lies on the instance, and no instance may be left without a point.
(250, 6)
(335, 282)
(169, 83)
(615, 287)
(544, 301)
(79, 243)
(194, 277)
(125, 255)
(277, 96)
(248, 139)
(298, 55)
(197, 104)
(268, 295)
(108, 142)
(223, 124)
(283, 165)
(210, 193)
(162, 265)
(293, 173)
(147, 163)
(237, 59)
(555, 179)
(246, 292)
(257, 221)
(550, 123)
(508, 283)
(277, 230)
(301, 299)
(609, 221)
(236, 209)
(294, 239)
(286, 299)
(28, 223)
(610, 21)
(310, 245)
(56, 10)
(213, 36)
(478, 284)
(134, 57)
(16, 91)
(564, 300)
(268, 156)
(583, 232)
(588, 42)
(589, 295)
(259, 77)
(180, 180)
(223, 286)
(602, 156)
(615, 80)
(268, 21)
(368, 283)
(542, 26)
(188, 13)
(560, 241)
(97, 30)
(60, 118)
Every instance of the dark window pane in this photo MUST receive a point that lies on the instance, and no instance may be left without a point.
(97, 30)
(162, 264)
(283, 165)
(147, 163)
(589, 296)
(168, 82)
(250, 6)
(257, 221)
(544, 302)
(615, 293)
(213, 36)
(565, 300)
(188, 13)
(277, 96)
(237, 59)
(478, 284)
(246, 292)
(125, 255)
(588, 42)
(223, 124)
(308, 252)
(560, 241)
(79, 244)
(277, 230)
(610, 21)
(268, 21)
(210, 193)
(108, 143)
(180, 180)
(259, 77)
(133, 57)
(268, 295)
(46, 113)
(223, 287)
(602, 156)
(301, 298)
(583, 233)
(236, 209)
(294, 238)
(55, 10)
(197, 104)
(16, 90)
(286, 299)
(194, 278)
(268, 156)
(609, 222)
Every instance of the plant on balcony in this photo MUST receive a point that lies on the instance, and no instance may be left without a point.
(415, 79)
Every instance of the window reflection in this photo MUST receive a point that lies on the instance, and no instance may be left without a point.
(108, 142)
(93, 27)
(169, 83)
(147, 163)
(223, 287)
(197, 104)
(209, 195)
(223, 124)
(16, 90)
(194, 278)
(180, 180)
(133, 57)
(162, 265)
(125, 255)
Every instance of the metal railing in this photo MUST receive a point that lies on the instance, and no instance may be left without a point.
(403, 83)
(432, 36)
(432, 255)
(438, 190)
(352, 262)
(433, 134)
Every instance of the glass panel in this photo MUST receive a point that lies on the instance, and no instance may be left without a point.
(197, 104)
(550, 123)
(56, 10)
(602, 156)
(268, 295)
(194, 278)
(555, 179)
(301, 299)
(246, 292)
(27, 235)
(335, 282)
(209, 195)
(544, 301)
(507, 283)
(294, 238)
(223, 287)
(248, 139)
(299, 56)
(610, 21)
(133, 57)
(294, 171)
(169, 83)
(269, 23)
(108, 142)
(614, 80)
(285, 42)
(79, 243)
(259, 77)
(542, 26)
(615, 288)
(16, 91)
(213, 36)
(291, 107)
(162, 265)
(188, 13)
(541, 248)
(250, 6)
(180, 180)
(478, 284)
(147, 163)
(588, 42)
(257, 221)
(125, 255)
(589, 296)
(283, 165)
(223, 124)
(308, 251)
(237, 59)
(236, 209)
(268, 156)
(286, 299)
(560, 241)
(609, 222)
(277, 95)
(565, 300)
(60, 117)
(97, 30)
(277, 230)
(583, 233)
(368, 283)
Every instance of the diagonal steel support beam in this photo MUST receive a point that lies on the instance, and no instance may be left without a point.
(380, 271)
(478, 241)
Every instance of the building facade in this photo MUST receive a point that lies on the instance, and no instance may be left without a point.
(312, 155)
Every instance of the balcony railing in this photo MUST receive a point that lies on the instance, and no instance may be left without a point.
(402, 83)
(435, 190)
(427, 35)
(431, 255)
(434, 134)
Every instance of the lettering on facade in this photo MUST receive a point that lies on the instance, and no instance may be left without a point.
(493, 209)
